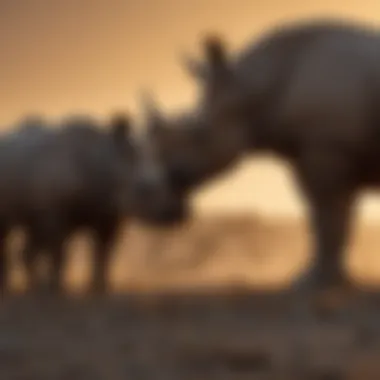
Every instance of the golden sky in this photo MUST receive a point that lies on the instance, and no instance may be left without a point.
(93, 56)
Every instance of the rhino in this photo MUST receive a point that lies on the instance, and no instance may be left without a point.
(306, 92)
(56, 178)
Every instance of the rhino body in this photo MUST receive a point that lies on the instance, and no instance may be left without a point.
(308, 93)
(57, 179)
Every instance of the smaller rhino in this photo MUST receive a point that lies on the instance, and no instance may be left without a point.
(78, 175)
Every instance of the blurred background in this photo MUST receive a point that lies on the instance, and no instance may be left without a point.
(95, 56)
(58, 57)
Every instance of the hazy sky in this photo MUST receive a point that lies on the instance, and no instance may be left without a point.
(94, 55)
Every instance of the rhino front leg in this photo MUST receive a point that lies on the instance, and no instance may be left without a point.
(330, 222)
(327, 181)
(104, 240)
(322, 290)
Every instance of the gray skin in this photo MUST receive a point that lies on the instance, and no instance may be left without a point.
(54, 181)
(308, 93)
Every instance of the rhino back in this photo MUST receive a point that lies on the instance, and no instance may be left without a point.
(322, 78)
(269, 61)
(69, 170)
(86, 173)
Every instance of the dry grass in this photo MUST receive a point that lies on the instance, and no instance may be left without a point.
(199, 333)
(214, 251)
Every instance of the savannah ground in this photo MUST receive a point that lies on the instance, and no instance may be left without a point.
(206, 302)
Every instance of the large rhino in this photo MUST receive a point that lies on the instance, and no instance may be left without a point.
(57, 179)
(307, 92)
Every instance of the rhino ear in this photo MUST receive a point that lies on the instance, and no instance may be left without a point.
(216, 59)
(121, 133)
(215, 51)
(121, 126)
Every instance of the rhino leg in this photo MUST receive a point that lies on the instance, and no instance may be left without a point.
(54, 233)
(105, 234)
(58, 255)
(327, 183)
(330, 223)
(32, 248)
(3, 261)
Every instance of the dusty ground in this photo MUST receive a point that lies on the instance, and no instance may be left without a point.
(212, 327)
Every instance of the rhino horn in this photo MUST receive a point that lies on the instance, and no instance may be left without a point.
(215, 50)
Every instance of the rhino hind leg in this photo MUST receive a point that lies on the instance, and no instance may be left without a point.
(104, 234)
(52, 232)
(58, 255)
(32, 249)
(3, 262)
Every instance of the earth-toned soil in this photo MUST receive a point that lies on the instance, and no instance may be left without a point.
(190, 312)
